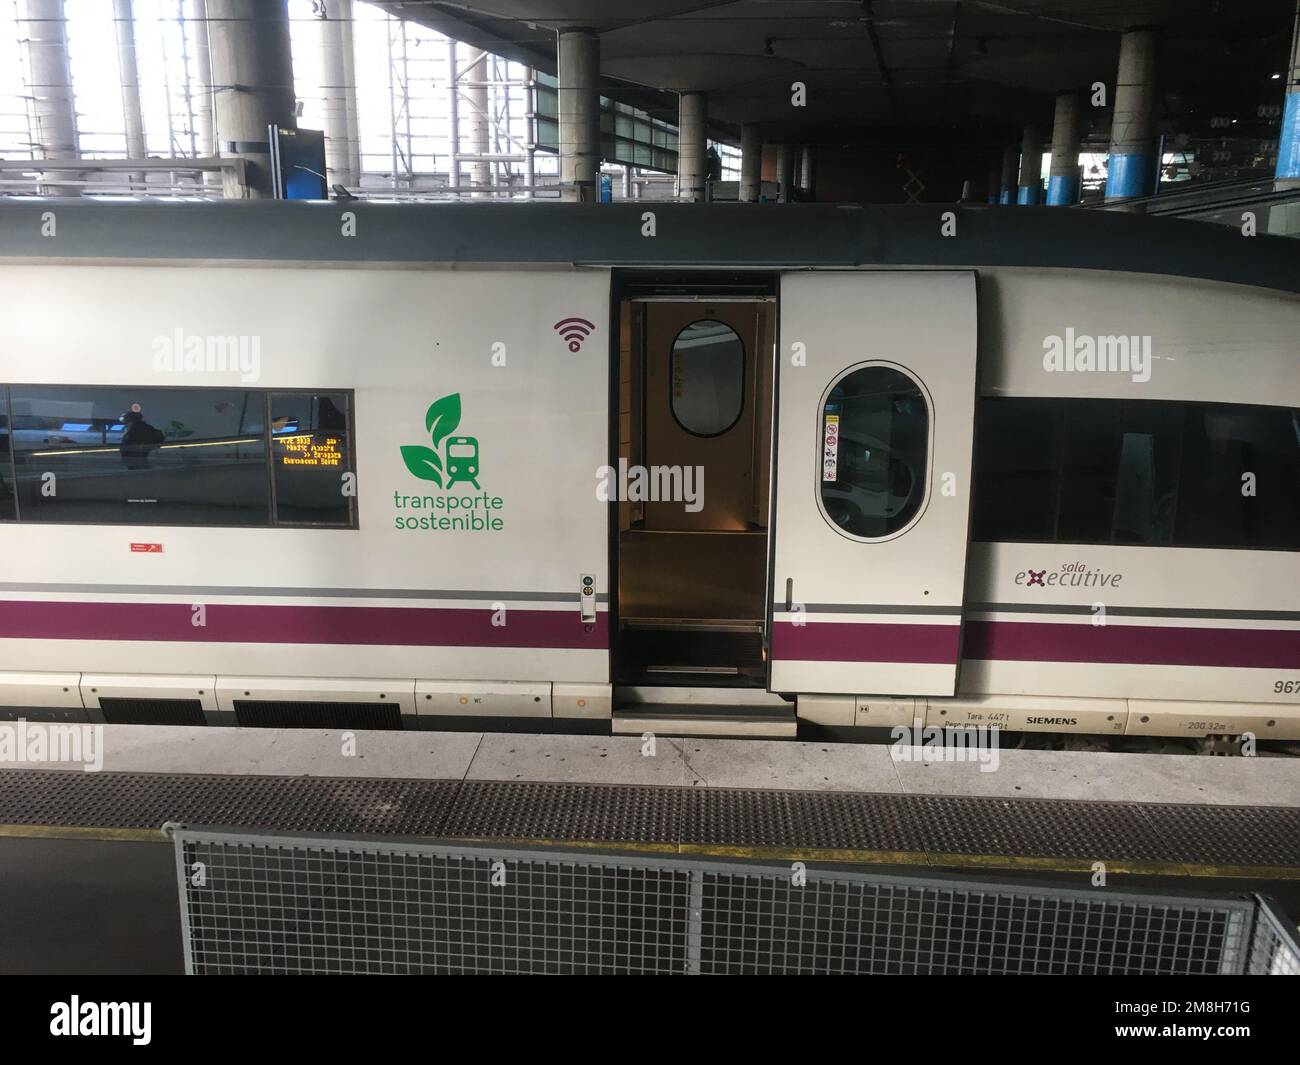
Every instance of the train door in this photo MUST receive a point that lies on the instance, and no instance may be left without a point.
(875, 421)
(695, 462)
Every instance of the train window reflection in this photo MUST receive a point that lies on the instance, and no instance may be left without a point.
(156, 456)
(1155, 472)
(310, 458)
(708, 377)
(874, 438)
(8, 508)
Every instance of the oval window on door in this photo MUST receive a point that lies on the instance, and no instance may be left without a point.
(708, 377)
(875, 439)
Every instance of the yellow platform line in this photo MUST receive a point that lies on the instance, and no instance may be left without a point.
(927, 859)
(118, 835)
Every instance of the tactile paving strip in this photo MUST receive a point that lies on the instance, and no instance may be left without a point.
(148, 800)
(1046, 828)
(841, 820)
(1231, 835)
(520, 810)
(613, 814)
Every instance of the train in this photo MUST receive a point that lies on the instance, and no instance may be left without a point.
(718, 469)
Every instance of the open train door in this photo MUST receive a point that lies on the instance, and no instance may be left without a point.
(875, 421)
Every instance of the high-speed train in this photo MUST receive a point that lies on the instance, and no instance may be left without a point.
(711, 468)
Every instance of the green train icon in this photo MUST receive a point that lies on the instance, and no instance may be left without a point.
(462, 460)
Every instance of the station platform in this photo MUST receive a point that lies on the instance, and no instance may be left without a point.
(82, 850)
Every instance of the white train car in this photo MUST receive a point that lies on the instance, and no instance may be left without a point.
(702, 468)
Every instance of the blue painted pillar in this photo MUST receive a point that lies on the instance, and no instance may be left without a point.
(1288, 147)
(1063, 177)
(1031, 167)
(1007, 188)
(1132, 160)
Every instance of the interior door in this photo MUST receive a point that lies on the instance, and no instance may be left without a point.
(701, 390)
(875, 421)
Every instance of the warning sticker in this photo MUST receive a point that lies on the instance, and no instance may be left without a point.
(831, 448)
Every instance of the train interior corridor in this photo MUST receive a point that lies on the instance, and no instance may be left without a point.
(695, 449)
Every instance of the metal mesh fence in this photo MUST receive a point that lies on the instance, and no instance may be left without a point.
(299, 904)
(852, 925)
(305, 908)
(1274, 949)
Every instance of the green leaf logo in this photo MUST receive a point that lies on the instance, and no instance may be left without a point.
(423, 461)
(441, 419)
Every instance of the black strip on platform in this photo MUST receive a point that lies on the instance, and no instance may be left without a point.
(149, 800)
(612, 814)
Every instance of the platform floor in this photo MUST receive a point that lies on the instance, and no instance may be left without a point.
(838, 801)
(684, 762)
(81, 856)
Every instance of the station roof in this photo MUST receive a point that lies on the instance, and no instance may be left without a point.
(889, 63)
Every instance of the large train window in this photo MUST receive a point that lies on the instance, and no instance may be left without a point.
(1098, 471)
(159, 456)
(708, 377)
(175, 456)
(874, 437)
(311, 458)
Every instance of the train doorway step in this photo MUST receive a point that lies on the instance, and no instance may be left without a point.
(691, 654)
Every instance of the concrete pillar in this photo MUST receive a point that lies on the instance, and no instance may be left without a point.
(691, 142)
(43, 25)
(1031, 167)
(474, 119)
(252, 76)
(1010, 165)
(129, 77)
(1288, 146)
(346, 22)
(530, 153)
(1132, 165)
(578, 67)
(338, 92)
(1063, 176)
(751, 163)
(807, 172)
(784, 171)
(196, 13)
(453, 112)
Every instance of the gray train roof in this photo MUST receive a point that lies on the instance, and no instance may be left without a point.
(687, 235)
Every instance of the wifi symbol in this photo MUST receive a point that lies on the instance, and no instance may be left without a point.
(575, 331)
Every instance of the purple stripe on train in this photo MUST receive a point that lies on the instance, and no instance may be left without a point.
(1143, 645)
(848, 641)
(824, 641)
(1038, 641)
(347, 625)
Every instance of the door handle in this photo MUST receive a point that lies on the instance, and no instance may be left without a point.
(789, 594)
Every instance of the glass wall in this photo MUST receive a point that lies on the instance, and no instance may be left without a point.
(407, 91)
